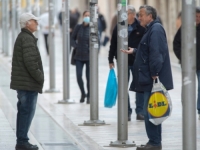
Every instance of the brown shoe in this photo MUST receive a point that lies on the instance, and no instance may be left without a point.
(149, 147)
(139, 117)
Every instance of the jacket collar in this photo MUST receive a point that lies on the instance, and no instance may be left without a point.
(151, 24)
(29, 32)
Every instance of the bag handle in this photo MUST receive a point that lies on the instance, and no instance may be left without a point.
(158, 81)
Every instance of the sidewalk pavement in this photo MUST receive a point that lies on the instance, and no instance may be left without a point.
(69, 116)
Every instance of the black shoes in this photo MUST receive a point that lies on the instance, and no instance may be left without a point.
(139, 117)
(149, 147)
(26, 146)
(82, 98)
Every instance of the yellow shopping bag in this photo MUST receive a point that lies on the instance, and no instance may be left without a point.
(159, 105)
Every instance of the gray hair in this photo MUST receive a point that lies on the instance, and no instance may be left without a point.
(131, 8)
(150, 10)
(23, 24)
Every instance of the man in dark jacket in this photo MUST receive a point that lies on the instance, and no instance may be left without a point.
(152, 61)
(135, 32)
(27, 78)
(177, 51)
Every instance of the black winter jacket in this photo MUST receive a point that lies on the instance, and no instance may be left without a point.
(177, 45)
(152, 59)
(80, 41)
(133, 41)
(27, 71)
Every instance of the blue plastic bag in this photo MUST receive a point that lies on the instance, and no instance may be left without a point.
(111, 90)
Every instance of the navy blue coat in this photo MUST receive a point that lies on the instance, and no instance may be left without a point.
(152, 59)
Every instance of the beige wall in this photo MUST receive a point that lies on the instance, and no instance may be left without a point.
(136, 4)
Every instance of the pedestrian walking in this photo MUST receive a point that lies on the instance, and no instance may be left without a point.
(80, 41)
(177, 51)
(152, 61)
(135, 34)
(27, 78)
(44, 23)
(74, 18)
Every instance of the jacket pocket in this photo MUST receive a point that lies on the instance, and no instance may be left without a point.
(144, 50)
(144, 75)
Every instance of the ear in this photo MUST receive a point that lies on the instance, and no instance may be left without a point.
(27, 23)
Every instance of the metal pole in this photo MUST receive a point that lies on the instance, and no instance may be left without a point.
(94, 87)
(66, 53)
(6, 35)
(28, 6)
(122, 38)
(188, 31)
(3, 25)
(51, 48)
(37, 13)
(13, 21)
(18, 15)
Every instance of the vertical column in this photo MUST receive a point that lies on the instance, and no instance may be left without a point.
(66, 53)
(172, 9)
(3, 24)
(28, 6)
(7, 24)
(18, 15)
(51, 49)
(37, 13)
(188, 31)
(13, 21)
(122, 62)
(94, 86)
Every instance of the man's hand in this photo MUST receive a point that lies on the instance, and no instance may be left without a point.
(155, 77)
(129, 51)
(111, 65)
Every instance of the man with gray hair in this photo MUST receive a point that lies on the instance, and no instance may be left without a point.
(27, 78)
(152, 61)
(135, 33)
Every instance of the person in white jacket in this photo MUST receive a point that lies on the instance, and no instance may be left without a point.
(44, 24)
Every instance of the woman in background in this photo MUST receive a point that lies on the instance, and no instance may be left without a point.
(80, 41)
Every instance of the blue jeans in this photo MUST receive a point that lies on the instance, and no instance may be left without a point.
(26, 106)
(153, 131)
(139, 97)
(198, 95)
(79, 74)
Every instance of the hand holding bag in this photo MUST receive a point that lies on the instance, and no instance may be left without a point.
(159, 105)
(111, 90)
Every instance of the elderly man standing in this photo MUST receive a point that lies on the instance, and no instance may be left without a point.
(152, 61)
(27, 78)
(135, 33)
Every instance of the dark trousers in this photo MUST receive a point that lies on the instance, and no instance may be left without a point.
(198, 91)
(139, 97)
(79, 74)
(26, 106)
(46, 42)
(153, 131)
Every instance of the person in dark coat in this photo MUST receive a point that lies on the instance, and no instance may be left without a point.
(135, 32)
(27, 78)
(73, 17)
(152, 61)
(177, 51)
(80, 41)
